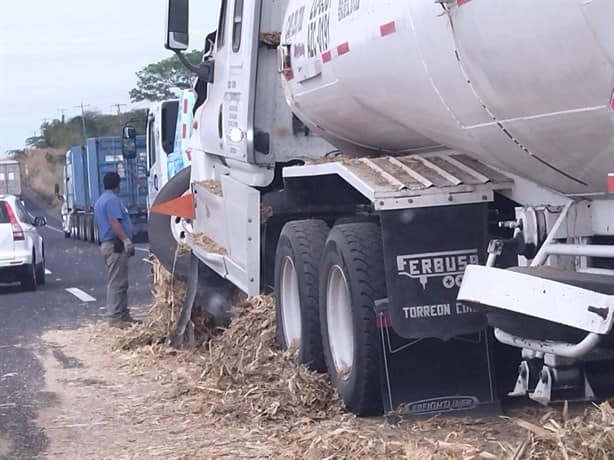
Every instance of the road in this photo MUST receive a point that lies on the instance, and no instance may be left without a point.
(72, 265)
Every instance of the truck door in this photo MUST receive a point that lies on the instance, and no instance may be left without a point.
(230, 101)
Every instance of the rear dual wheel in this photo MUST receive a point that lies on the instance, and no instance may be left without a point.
(89, 229)
(326, 285)
(352, 279)
(297, 263)
(80, 227)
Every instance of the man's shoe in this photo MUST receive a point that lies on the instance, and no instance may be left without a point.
(119, 323)
(130, 320)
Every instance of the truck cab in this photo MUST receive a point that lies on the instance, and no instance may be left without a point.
(169, 127)
(160, 142)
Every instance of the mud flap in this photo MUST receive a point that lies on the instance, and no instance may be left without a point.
(437, 353)
(426, 377)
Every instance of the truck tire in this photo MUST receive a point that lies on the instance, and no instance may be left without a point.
(86, 228)
(161, 241)
(28, 278)
(82, 227)
(351, 280)
(297, 274)
(73, 227)
(90, 228)
(79, 227)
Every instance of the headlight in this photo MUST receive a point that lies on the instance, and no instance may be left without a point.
(235, 135)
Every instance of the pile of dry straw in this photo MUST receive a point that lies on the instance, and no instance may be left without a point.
(241, 365)
(246, 380)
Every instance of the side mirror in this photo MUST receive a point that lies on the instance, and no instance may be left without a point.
(40, 221)
(129, 142)
(176, 36)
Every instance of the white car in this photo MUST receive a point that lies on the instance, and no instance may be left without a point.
(22, 251)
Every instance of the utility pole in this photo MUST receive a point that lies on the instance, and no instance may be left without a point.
(63, 112)
(119, 108)
(119, 114)
(44, 120)
(82, 107)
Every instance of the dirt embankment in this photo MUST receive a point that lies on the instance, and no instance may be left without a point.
(127, 395)
(42, 169)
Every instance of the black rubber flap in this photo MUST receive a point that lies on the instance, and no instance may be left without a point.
(426, 251)
(426, 377)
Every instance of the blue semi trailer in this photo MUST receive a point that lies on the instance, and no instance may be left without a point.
(83, 173)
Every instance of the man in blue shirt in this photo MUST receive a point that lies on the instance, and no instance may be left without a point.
(115, 230)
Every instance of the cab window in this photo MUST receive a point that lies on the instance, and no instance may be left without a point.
(221, 29)
(237, 25)
(151, 141)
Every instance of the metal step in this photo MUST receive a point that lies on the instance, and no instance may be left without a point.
(431, 179)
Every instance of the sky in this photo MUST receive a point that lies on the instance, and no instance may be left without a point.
(61, 53)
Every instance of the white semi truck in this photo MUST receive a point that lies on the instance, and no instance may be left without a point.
(169, 127)
(413, 179)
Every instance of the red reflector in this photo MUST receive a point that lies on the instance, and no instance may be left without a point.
(611, 182)
(181, 207)
(387, 29)
(185, 106)
(289, 74)
(326, 57)
(188, 153)
(343, 49)
(184, 130)
(612, 100)
(18, 234)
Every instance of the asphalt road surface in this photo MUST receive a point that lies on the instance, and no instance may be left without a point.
(73, 296)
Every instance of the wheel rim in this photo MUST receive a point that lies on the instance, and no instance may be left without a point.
(180, 228)
(290, 304)
(339, 322)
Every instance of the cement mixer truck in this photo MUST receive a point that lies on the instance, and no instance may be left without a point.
(424, 185)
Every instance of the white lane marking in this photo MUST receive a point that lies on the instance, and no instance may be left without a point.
(79, 294)
(51, 227)
(48, 272)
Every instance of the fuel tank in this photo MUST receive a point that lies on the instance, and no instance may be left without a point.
(523, 85)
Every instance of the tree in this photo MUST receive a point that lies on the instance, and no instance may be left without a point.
(58, 134)
(15, 154)
(164, 79)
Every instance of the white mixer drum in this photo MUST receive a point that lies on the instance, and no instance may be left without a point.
(523, 85)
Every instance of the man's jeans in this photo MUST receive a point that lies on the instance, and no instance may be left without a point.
(117, 281)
